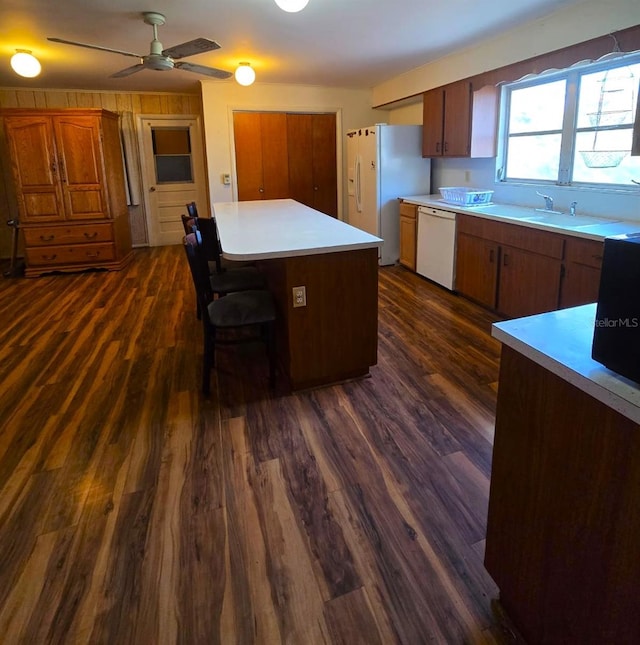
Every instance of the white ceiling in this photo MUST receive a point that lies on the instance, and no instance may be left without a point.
(342, 43)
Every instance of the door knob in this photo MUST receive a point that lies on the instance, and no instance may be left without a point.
(152, 189)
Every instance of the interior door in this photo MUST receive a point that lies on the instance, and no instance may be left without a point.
(173, 164)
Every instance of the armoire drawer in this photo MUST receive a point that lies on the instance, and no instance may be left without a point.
(78, 254)
(67, 234)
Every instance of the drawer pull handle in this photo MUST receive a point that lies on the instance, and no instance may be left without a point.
(438, 147)
(47, 238)
(50, 258)
(491, 256)
(597, 257)
(506, 260)
(90, 236)
(93, 255)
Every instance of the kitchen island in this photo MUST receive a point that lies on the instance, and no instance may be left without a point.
(564, 507)
(331, 333)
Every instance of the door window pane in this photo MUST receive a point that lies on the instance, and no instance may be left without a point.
(172, 155)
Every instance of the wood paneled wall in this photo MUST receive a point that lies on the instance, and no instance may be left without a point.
(138, 103)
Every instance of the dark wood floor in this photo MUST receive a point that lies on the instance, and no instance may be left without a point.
(133, 511)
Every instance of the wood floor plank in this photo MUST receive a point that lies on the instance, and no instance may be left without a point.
(133, 510)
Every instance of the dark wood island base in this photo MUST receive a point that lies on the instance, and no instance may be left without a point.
(563, 534)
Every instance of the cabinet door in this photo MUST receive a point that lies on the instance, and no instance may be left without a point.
(580, 285)
(80, 166)
(408, 242)
(325, 174)
(529, 283)
(35, 168)
(275, 159)
(432, 122)
(457, 120)
(248, 148)
(477, 269)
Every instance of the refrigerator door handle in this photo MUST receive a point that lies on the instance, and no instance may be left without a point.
(358, 186)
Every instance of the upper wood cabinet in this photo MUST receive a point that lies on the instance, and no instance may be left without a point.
(458, 122)
(311, 142)
(261, 155)
(69, 180)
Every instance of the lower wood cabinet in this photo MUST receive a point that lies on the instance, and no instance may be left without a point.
(581, 280)
(408, 235)
(520, 271)
(510, 268)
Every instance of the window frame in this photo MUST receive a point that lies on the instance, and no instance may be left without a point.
(572, 76)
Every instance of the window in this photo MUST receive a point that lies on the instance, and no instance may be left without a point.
(172, 155)
(573, 127)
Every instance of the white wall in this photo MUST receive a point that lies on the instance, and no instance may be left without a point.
(353, 109)
(575, 24)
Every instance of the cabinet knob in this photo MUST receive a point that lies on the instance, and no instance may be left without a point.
(315, 188)
(152, 189)
(261, 190)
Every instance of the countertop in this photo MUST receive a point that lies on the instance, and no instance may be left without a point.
(280, 228)
(560, 341)
(591, 228)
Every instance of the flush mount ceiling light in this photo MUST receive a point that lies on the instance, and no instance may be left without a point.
(25, 63)
(292, 5)
(244, 74)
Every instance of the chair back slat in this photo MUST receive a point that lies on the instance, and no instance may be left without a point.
(199, 270)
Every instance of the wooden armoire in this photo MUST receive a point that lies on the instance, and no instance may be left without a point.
(69, 180)
(287, 155)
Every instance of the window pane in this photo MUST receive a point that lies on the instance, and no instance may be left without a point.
(534, 157)
(608, 97)
(538, 108)
(171, 141)
(603, 158)
(173, 168)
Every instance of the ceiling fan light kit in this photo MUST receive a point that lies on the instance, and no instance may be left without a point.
(292, 6)
(158, 58)
(245, 74)
(24, 63)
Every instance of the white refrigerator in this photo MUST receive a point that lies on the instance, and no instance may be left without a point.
(384, 162)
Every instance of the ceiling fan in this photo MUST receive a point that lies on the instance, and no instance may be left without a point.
(160, 59)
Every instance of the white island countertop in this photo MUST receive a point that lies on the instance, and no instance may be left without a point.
(560, 341)
(281, 228)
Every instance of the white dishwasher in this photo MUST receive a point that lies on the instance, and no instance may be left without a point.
(436, 254)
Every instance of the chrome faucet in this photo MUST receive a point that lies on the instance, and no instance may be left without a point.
(572, 208)
(548, 201)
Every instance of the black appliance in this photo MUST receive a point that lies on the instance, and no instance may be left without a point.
(616, 336)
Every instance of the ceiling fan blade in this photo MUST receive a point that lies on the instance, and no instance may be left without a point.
(201, 69)
(104, 49)
(197, 46)
(128, 71)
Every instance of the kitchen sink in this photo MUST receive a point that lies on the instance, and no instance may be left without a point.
(567, 221)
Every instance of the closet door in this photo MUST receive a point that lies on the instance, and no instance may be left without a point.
(325, 177)
(300, 144)
(275, 163)
(248, 145)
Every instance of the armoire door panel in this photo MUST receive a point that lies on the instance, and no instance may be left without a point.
(35, 168)
(80, 167)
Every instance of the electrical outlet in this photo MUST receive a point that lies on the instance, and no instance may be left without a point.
(299, 296)
(226, 179)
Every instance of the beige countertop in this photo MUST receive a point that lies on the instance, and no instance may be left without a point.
(592, 228)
